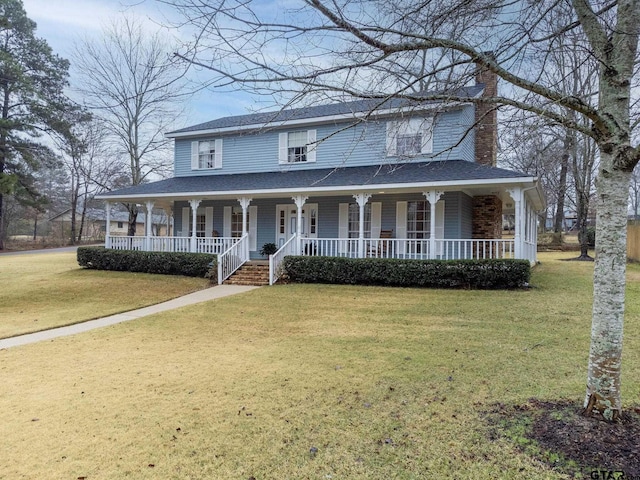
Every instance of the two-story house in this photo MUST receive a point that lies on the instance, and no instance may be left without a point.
(361, 178)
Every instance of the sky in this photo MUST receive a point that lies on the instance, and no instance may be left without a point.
(62, 23)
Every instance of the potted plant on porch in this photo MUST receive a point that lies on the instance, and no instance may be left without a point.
(268, 249)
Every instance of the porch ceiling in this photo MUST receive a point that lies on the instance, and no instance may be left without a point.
(397, 178)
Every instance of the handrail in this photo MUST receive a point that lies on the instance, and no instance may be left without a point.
(275, 260)
(233, 258)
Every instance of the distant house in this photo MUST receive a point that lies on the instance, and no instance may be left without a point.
(410, 180)
(95, 221)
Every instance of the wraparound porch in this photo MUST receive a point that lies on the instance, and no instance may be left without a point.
(452, 220)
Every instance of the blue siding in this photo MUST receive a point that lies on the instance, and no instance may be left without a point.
(467, 146)
(466, 216)
(457, 214)
(343, 145)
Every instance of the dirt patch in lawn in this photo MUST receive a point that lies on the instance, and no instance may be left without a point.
(557, 434)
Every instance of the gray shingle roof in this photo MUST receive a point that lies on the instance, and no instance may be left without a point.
(419, 172)
(343, 108)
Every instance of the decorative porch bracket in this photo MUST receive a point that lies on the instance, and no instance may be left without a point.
(194, 212)
(299, 200)
(517, 195)
(432, 197)
(361, 199)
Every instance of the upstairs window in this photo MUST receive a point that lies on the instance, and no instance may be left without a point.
(410, 137)
(206, 155)
(297, 147)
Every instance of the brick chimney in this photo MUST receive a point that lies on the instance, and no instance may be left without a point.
(486, 119)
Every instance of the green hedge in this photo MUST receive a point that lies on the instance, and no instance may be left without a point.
(477, 274)
(187, 264)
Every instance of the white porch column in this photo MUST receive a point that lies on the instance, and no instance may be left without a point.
(361, 199)
(244, 203)
(107, 237)
(168, 211)
(194, 212)
(148, 224)
(299, 200)
(432, 197)
(516, 194)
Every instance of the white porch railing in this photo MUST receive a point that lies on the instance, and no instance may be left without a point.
(215, 245)
(126, 243)
(474, 249)
(288, 248)
(169, 244)
(449, 249)
(233, 258)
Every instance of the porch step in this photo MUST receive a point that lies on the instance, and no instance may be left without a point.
(251, 273)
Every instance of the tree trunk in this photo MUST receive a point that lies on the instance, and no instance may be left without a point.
(582, 215)
(605, 355)
(133, 218)
(558, 226)
(2, 230)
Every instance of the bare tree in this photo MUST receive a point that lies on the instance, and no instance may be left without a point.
(634, 193)
(132, 83)
(87, 161)
(335, 47)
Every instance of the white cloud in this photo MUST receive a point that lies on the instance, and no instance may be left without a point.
(74, 15)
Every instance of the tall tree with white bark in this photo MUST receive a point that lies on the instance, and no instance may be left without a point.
(336, 48)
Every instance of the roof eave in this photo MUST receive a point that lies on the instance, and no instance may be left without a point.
(314, 120)
(445, 185)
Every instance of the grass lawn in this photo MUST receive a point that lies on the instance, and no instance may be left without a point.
(41, 291)
(307, 382)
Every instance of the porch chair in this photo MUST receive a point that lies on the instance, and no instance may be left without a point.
(379, 248)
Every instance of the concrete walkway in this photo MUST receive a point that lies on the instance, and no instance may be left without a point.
(190, 299)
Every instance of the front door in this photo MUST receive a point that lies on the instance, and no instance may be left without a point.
(287, 222)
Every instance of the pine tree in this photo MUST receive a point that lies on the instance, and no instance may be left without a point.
(32, 82)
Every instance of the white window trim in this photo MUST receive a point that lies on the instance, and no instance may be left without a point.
(415, 125)
(283, 147)
(195, 154)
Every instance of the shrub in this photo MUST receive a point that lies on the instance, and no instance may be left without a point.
(477, 274)
(175, 263)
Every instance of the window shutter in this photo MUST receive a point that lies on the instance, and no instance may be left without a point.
(218, 156)
(282, 147)
(194, 155)
(311, 145)
(343, 220)
(376, 219)
(208, 222)
(226, 225)
(392, 132)
(440, 219)
(401, 225)
(343, 227)
(427, 135)
(186, 216)
(253, 228)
